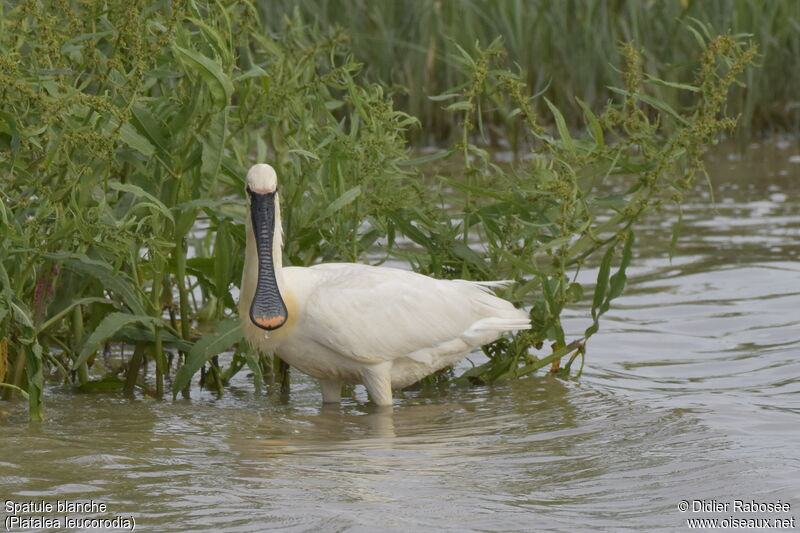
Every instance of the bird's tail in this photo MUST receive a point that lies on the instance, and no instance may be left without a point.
(505, 323)
(488, 286)
(492, 328)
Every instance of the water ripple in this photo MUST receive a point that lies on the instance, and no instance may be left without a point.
(690, 390)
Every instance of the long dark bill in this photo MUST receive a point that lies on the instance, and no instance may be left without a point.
(268, 311)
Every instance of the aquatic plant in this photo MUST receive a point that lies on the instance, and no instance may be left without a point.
(412, 45)
(126, 131)
(547, 214)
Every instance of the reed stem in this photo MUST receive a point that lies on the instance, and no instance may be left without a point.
(77, 337)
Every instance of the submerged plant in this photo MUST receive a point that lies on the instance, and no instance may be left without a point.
(125, 134)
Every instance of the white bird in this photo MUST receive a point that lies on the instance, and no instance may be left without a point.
(350, 323)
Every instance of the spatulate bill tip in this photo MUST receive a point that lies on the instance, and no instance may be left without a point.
(268, 323)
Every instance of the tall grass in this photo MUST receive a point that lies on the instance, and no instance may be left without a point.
(566, 49)
(125, 133)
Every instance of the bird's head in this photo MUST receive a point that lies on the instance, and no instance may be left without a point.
(267, 310)
(261, 179)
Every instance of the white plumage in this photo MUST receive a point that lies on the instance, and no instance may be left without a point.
(352, 323)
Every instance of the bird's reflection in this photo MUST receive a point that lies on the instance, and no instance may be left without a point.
(427, 420)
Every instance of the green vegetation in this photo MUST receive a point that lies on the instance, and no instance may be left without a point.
(126, 131)
(565, 48)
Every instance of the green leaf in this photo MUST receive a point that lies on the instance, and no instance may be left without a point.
(21, 313)
(218, 83)
(213, 150)
(222, 259)
(137, 333)
(3, 352)
(602, 281)
(401, 220)
(213, 38)
(132, 138)
(553, 243)
(13, 130)
(33, 370)
(435, 156)
(142, 194)
(3, 214)
(228, 333)
(701, 41)
(15, 388)
(619, 279)
(304, 153)
(672, 84)
(184, 222)
(112, 279)
(347, 197)
(522, 265)
(111, 324)
(657, 104)
(442, 97)
(64, 312)
(459, 106)
(614, 201)
(254, 72)
(594, 123)
(465, 55)
(483, 191)
(468, 255)
(96, 36)
(600, 291)
(561, 125)
(251, 358)
(149, 126)
(208, 204)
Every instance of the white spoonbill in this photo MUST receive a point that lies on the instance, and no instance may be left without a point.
(351, 323)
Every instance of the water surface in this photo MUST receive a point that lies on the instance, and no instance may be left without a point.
(690, 391)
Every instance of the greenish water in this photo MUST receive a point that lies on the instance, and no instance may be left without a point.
(691, 391)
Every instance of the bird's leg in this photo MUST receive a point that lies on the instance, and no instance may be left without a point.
(331, 391)
(378, 381)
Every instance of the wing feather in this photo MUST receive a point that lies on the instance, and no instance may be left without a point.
(374, 314)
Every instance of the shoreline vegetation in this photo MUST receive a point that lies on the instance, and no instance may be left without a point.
(126, 132)
(564, 49)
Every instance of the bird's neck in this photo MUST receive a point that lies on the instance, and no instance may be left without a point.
(251, 254)
(277, 243)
